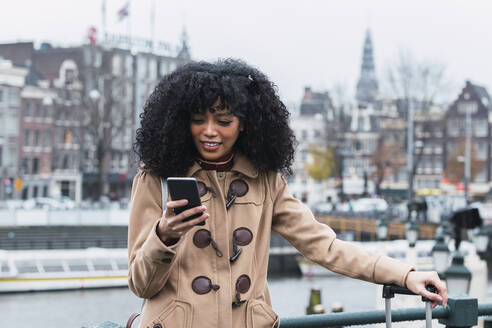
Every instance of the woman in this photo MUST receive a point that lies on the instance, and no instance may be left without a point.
(225, 125)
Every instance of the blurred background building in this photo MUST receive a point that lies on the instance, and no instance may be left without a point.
(69, 116)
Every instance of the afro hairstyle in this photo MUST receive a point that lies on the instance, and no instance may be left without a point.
(164, 144)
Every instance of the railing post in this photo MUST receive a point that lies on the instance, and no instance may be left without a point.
(463, 312)
(487, 322)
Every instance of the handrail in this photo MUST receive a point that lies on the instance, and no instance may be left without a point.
(461, 311)
(359, 318)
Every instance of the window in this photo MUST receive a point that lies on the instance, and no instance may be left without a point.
(153, 69)
(27, 110)
(26, 266)
(38, 110)
(65, 162)
(77, 265)
(52, 266)
(46, 139)
(102, 264)
(35, 191)
(438, 162)
(14, 98)
(482, 150)
(25, 165)
(129, 66)
(122, 264)
(12, 121)
(479, 128)
(35, 166)
(36, 138)
(317, 133)
(163, 68)
(455, 126)
(69, 76)
(27, 136)
(116, 65)
(481, 177)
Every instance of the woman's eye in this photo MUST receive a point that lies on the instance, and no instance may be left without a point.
(196, 121)
(225, 123)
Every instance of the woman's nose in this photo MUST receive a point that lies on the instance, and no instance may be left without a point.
(210, 129)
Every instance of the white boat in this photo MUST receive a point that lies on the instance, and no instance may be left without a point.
(36, 270)
(420, 256)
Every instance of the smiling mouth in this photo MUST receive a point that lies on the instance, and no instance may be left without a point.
(210, 144)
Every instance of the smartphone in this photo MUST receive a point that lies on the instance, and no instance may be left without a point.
(185, 188)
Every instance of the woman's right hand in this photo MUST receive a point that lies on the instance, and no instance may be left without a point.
(171, 226)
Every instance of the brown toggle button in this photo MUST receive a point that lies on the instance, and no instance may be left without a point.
(243, 283)
(242, 286)
(243, 236)
(202, 188)
(202, 238)
(202, 285)
(238, 188)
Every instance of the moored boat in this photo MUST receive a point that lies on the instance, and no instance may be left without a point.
(36, 270)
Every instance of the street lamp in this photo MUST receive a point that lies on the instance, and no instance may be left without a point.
(440, 254)
(412, 233)
(457, 276)
(481, 242)
(382, 229)
(446, 232)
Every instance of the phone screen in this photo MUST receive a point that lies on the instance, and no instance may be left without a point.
(185, 188)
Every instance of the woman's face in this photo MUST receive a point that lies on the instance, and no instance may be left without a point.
(214, 132)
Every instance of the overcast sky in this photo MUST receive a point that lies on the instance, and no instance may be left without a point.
(296, 43)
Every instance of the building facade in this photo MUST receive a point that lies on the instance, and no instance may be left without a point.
(76, 113)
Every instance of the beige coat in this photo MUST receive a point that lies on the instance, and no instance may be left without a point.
(165, 276)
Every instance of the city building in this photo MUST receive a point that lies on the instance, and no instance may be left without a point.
(475, 101)
(12, 80)
(313, 125)
(76, 113)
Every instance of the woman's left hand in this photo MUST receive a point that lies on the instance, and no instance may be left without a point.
(417, 280)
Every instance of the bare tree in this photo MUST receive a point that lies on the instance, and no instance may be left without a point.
(421, 81)
(106, 118)
(420, 84)
(387, 158)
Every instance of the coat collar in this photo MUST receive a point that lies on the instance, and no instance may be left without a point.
(241, 165)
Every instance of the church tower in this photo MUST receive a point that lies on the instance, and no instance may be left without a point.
(367, 87)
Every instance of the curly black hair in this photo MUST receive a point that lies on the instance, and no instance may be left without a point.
(164, 144)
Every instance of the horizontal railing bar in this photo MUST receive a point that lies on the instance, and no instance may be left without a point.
(359, 318)
(484, 309)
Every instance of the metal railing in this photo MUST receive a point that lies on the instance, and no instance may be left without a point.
(462, 311)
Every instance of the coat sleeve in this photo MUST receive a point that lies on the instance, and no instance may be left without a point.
(295, 222)
(149, 261)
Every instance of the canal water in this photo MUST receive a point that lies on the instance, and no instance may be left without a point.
(290, 296)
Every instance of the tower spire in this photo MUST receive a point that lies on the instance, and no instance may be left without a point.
(367, 87)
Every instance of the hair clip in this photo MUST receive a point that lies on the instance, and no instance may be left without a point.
(249, 77)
